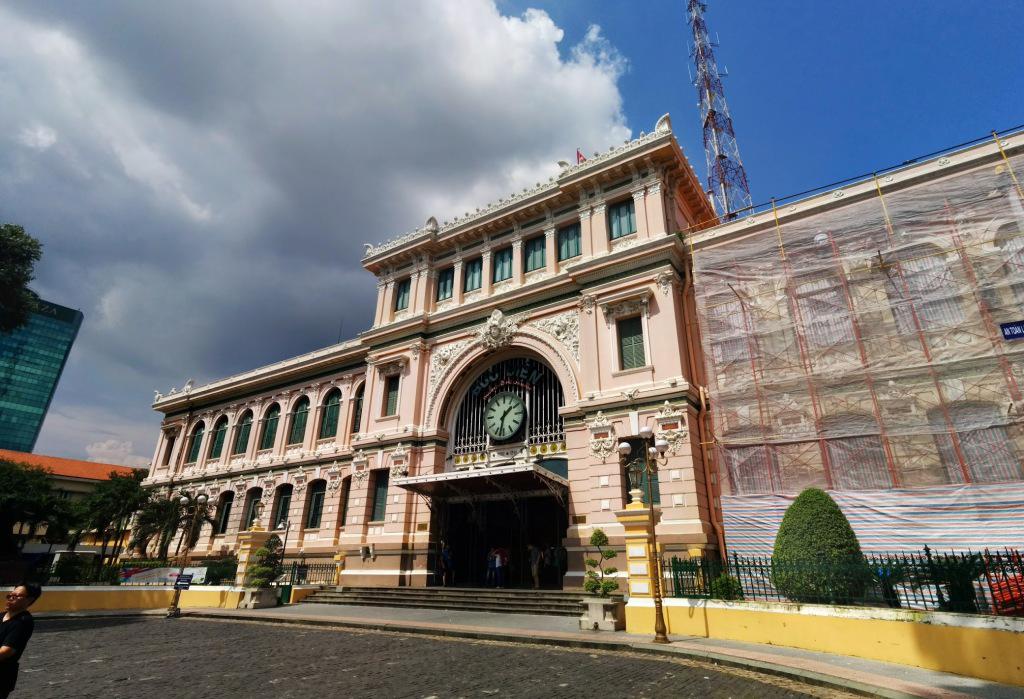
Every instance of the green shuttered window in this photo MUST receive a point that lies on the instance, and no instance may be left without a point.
(357, 410)
(242, 436)
(502, 263)
(391, 396)
(533, 254)
(224, 511)
(195, 444)
(473, 274)
(445, 283)
(569, 242)
(299, 417)
(380, 495)
(329, 417)
(402, 294)
(270, 427)
(219, 432)
(631, 343)
(621, 219)
(316, 504)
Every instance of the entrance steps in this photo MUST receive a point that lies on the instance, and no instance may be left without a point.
(504, 601)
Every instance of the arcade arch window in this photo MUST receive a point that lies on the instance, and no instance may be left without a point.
(823, 311)
(329, 417)
(270, 421)
(195, 444)
(242, 434)
(357, 410)
(402, 289)
(621, 219)
(300, 414)
(919, 282)
(227, 499)
(282, 504)
(315, 507)
(252, 499)
(220, 430)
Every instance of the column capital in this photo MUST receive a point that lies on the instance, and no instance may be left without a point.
(549, 233)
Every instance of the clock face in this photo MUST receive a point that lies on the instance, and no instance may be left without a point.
(504, 415)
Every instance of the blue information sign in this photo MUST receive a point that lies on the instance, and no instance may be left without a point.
(1013, 331)
(183, 581)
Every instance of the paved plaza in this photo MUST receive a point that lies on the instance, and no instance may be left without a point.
(133, 657)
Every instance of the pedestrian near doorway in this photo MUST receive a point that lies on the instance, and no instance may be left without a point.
(492, 567)
(447, 566)
(15, 631)
(536, 558)
(501, 556)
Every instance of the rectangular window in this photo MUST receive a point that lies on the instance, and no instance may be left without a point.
(502, 263)
(346, 486)
(569, 242)
(402, 294)
(391, 396)
(631, 343)
(445, 283)
(316, 505)
(380, 495)
(621, 219)
(473, 275)
(533, 254)
(168, 449)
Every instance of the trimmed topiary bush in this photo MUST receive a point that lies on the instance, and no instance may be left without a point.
(817, 557)
(598, 580)
(266, 565)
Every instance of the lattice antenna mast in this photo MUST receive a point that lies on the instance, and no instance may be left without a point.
(727, 180)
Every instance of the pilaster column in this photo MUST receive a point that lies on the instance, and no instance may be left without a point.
(655, 205)
(550, 250)
(313, 421)
(430, 290)
(586, 232)
(639, 205)
(284, 422)
(517, 261)
(379, 315)
(488, 275)
(599, 228)
(254, 433)
(457, 282)
(204, 445)
(388, 306)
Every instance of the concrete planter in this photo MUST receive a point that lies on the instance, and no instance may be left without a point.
(603, 614)
(258, 598)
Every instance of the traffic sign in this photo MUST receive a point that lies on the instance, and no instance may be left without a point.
(183, 581)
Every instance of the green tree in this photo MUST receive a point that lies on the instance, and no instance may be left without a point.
(817, 557)
(158, 519)
(266, 565)
(25, 499)
(110, 508)
(596, 582)
(19, 253)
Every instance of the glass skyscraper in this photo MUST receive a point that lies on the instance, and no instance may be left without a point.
(31, 361)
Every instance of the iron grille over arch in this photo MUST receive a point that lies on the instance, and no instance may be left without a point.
(529, 379)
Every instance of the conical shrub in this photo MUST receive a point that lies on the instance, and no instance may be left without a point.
(817, 557)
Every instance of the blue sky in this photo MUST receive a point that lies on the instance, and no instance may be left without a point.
(819, 91)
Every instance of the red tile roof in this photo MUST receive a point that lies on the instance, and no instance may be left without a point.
(68, 468)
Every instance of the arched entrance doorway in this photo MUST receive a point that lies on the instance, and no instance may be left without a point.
(505, 483)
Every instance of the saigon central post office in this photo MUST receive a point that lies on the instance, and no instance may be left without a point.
(511, 351)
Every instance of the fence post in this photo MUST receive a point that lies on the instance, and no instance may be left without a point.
(935, 578)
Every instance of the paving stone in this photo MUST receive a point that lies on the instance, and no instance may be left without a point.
(130, 657)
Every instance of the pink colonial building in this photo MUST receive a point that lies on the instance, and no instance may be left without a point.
(512, 349)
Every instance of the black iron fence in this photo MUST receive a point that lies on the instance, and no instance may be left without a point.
(986, 583)
(312, 573)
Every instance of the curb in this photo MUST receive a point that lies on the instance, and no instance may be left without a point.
(803, 676)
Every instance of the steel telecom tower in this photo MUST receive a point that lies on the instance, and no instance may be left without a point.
(727, 180)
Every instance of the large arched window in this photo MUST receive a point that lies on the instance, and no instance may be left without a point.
(300, 413)
(243, 433)
(823, 311)
(196, 443)
(357, 410)
(856, 454)
(227, 499)
(282, 504)
(269, 433)
(329, 416)
(220, 429)
(919, 281)
(315, 504)
(252, 500)
(988, 454)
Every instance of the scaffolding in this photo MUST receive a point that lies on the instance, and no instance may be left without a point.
(858, 346)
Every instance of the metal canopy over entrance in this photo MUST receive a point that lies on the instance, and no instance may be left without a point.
(509, 482)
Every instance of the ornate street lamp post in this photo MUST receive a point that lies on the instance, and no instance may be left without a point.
(646, 464)
(193, 509)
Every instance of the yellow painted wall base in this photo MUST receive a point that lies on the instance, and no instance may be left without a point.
(990, 648)
(80, 599)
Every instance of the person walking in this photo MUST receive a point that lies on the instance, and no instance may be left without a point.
(492, 567)
(447, 566)
(536, 558)
(15, 630)
(501, 556)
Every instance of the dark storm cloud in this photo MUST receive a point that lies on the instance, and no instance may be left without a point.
(203, 175)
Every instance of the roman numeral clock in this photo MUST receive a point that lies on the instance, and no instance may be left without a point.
(504, 415)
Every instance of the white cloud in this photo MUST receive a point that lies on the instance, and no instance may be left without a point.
(207, 200)
(37, 137)
(112, 451)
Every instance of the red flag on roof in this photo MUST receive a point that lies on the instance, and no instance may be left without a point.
(579, 156)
